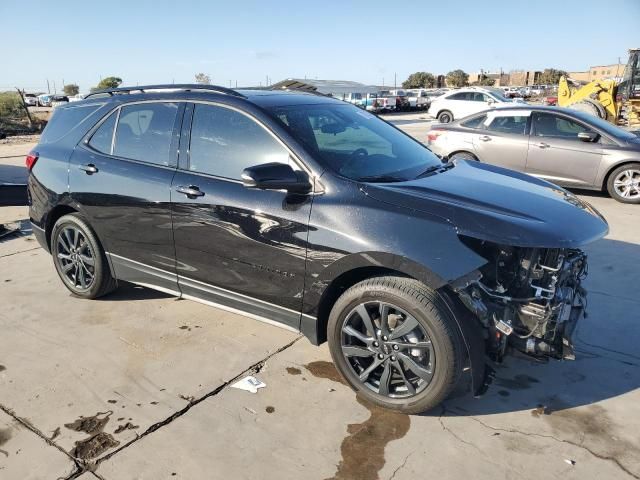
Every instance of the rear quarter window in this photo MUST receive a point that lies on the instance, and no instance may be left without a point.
(476, 122)
(65, 120)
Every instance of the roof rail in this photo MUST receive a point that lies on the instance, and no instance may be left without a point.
(187, 87)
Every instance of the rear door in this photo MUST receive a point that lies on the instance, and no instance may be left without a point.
(502, 139)
(558, 155)
(241, 248)
(120, 177)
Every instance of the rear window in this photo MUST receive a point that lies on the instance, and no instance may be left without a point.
(64, 120)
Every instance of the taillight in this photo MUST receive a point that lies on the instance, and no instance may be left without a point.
(31, 160)
(433, 135)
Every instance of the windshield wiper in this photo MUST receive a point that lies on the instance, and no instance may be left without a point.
(382, 178)
(436, 169)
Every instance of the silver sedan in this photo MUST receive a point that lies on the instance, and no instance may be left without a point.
(563, 146)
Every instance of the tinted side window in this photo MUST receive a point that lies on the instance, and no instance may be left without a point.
(548, 125)
(475, 122)
(64, 120)
(145, 132)
(509, 124)
(101, 138)
(457, 96)
(224, 142)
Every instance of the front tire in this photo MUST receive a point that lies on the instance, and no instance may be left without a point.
(624, 183)
(79, 258)
(396, 343)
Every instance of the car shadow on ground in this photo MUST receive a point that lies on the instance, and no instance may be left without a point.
(131, 292)
(607, 361)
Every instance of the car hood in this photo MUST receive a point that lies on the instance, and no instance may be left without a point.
(498, 205)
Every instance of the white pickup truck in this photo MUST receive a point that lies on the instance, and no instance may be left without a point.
(418, 98)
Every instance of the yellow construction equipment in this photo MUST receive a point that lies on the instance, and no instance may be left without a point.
(619, 103)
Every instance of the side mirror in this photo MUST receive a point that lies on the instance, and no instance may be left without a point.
(276, 176)
(491, 101)
(588, 136)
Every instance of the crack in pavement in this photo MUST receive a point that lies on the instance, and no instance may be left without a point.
(29, 426)
(401, 466)
(485, 457)
(560, 440)
(617, 297)
(21, 251)
(447, 429)
(253, 369)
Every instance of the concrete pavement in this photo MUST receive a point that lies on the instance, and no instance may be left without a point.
(137, 386)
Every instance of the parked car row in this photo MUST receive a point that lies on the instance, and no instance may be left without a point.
(401, 100)
(527, 91)
(48, 99)
(564, 146)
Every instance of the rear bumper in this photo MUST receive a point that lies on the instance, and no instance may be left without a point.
(40, 235)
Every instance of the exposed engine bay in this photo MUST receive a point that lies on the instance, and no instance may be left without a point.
(529, 299)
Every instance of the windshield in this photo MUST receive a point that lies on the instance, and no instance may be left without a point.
(354, 143)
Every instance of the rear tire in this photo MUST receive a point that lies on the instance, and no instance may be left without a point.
(463, 156)
(80, 259)
(623, 183)
(418, 379)
(445, 116)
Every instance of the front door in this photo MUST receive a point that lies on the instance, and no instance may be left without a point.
(122, 185)
(558, 155)
(502, 139)
(240, 248)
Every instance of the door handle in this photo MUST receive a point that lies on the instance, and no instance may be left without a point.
(484, 138)
(542, 145)
(191, 191)
(89, 169)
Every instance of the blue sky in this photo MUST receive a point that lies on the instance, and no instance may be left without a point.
(368, 41)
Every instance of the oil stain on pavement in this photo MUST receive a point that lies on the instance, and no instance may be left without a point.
(98, 441)
(363, 449)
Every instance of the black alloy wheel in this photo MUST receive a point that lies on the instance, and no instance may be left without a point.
(396, 343)
(387, 349)
(79, 258)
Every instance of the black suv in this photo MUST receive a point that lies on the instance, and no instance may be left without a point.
(308, 212)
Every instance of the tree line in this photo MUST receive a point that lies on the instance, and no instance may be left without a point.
(460, 78)
(454, 78)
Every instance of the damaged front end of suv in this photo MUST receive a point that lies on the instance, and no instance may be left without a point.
(529, 299)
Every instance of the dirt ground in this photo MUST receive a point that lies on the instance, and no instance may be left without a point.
(138, 385)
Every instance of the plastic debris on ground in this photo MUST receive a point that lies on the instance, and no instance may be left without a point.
(250, 384)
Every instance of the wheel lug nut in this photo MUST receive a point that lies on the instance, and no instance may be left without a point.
(393, 358)
(380, 356)
(376, 344)
(395, 347)
(384, 338)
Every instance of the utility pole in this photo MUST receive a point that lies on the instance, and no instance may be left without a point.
(394, 81)
(55, 90)
(48, 88)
